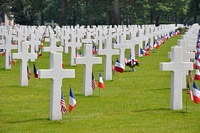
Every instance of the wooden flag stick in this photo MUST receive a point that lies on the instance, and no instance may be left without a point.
(99, 91)
(186, 93)
(186, 100)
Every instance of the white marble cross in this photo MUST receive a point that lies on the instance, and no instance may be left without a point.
(52, 48)
(24, 55)
(19, 38)
(100, 38)
(133, 42)
(186, 56)
(34, 45)
(73, 44)
(108, 52)
(88, 39)
(191, 44)
(177, 67)
(64, 37)
(8, 47)
(88, 60)
(122, 46)
(56, 74)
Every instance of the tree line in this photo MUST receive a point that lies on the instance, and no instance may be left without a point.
(101, 12)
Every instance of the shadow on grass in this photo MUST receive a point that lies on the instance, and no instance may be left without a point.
(146, 110)
(3, 69)
(161, 89)
(13, 86)
(161, 109)
(85, 96)
(29, 120)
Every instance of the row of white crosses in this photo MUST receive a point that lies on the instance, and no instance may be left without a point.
(56, 73)
(179, 66)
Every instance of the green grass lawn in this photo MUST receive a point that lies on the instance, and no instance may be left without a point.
(133, 102)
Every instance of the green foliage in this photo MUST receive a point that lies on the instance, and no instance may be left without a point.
(166, 22)
(99, 12)
(182, 30)
(136, 102)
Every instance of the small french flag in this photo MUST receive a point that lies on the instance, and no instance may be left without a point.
(35, 71)
(72, 100)
(119, 67)
(100, 83)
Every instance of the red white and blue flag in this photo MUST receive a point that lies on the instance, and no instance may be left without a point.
(10, 60)
(63, 65)
(93, 82)
(3, 52)
(125, 59)
(72, 100)
(100, 83)
(119, 67)
(35, 71)
(14, 61)
(155, 44)
(113, 67)
(144, 52)
(196, 62)
(63, 105)
(77, 55)
(94, 50)
(196, 93)
(189, 91)
(197, 74)
(80, 54)
(28, 73)
(39, 52)
(147, 47)
(190, 75)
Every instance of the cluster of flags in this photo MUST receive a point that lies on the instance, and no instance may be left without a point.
(78, 54)
(100, 82)
(144, 52)
(195, 92)
(162, 39)
(72, 102)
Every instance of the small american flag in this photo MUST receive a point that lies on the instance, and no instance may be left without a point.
(113, 68)
(10, 60)
(189, 91)
(63, 105)
(190, 75)
(93, 82)
(28, 73)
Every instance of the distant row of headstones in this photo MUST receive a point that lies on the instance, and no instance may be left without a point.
(180, 64)
(75, 37)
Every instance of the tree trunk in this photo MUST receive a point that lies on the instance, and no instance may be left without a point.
(157, 20)
(176, 19)
(116, 12)
(42, 18)
(90, 20)
(63, 13)
(195, 19)
(127, 20)
(74, 18)
(151, 17)
(109, 18)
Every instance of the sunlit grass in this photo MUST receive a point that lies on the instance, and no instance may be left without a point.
(133, 102)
